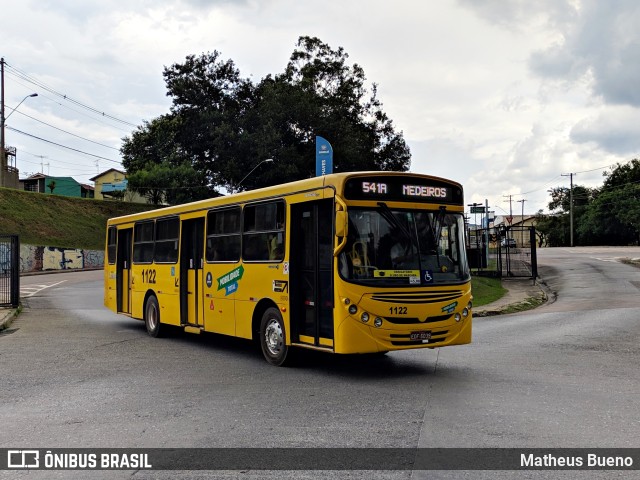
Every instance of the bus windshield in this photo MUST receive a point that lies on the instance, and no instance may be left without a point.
(404, 247)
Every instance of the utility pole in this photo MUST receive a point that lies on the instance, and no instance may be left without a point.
(510, 209)
(510, 206)
(486, 229)
(3, 120)
(522, 222)
(570, 175)
(3, 153)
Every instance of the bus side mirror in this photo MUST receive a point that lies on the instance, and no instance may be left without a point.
(341, 223)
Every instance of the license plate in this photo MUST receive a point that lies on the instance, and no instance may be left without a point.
(420, 336)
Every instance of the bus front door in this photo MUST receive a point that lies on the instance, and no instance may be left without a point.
(123, 270)
(191, 268)
(311, 282)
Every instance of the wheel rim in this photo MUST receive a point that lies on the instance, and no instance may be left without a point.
(152, 317)
(274, 337)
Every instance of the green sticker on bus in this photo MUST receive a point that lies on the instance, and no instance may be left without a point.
(229, 281)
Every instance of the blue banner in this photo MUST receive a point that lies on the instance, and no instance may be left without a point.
(324, 157)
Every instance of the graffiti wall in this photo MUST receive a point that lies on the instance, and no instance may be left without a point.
(40, 259)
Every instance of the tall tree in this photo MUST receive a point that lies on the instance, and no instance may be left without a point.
(223, 125)
(557, 227)
(613, 218)
(609, 215)
(157, 165)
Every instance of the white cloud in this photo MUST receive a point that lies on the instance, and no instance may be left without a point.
(615, 129)
(501, 96)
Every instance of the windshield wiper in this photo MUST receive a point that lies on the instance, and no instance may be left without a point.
(438, 224)
(388, 215)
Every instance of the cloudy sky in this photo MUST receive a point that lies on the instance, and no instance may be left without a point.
(504, 96)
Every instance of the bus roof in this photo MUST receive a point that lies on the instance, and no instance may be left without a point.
(335, 179)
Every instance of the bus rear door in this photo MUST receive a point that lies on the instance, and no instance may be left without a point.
(191, 268)
(123, 270)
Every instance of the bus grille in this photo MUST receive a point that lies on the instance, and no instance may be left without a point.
(418, 297)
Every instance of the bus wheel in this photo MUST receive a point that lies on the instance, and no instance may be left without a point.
(152, 317)
(273, 338)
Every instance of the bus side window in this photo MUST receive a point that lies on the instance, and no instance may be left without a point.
(143, 241)
(167, 235)
(263, 232)
(112, 241)
(223, 235)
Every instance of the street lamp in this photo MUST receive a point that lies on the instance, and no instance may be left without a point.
(28, 96)
(3, 119)
(268, 160)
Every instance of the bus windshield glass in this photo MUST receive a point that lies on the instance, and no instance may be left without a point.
(404, 247)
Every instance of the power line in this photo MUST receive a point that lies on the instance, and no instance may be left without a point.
(594, 169)
(540, 188)
(28, 78)
(62, 146)
(99, 120)
(68, 133)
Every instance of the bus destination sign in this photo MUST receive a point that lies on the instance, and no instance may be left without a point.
(403, 189)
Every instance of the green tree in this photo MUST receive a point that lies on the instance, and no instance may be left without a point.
(51, 185)
(556, 227)
(163, 183)
(159, 168)
(552, 230)
(613, 218)
(223, 125)
(609, 215)
(603, 222)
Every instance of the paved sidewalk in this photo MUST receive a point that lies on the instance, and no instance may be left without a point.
(522, 294)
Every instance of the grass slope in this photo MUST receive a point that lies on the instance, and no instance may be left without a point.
(53, 220)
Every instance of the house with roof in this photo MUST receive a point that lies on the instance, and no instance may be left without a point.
(65, 186)
(521, 224)
(112, 184)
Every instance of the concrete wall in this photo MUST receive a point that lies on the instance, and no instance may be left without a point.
(41, 259)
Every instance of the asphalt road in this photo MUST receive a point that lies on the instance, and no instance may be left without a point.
(565, 375)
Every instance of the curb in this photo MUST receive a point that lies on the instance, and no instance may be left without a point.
(67, 270)
(528, 302)
(6, 317)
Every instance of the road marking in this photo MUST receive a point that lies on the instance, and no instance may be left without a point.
(607, 259)
(27, 291)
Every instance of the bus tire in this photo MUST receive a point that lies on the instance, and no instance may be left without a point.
(152, 317)
(273, 337)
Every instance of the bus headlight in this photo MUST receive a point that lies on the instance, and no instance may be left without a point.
(364, 317)
(377, 322)
(469, 305)
(457, 317)
(353, 309)
(465, 312)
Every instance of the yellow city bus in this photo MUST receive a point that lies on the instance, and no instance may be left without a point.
(364, 262)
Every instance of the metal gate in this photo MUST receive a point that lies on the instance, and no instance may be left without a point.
(517, 252)
(504, 252)
(9, 271)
